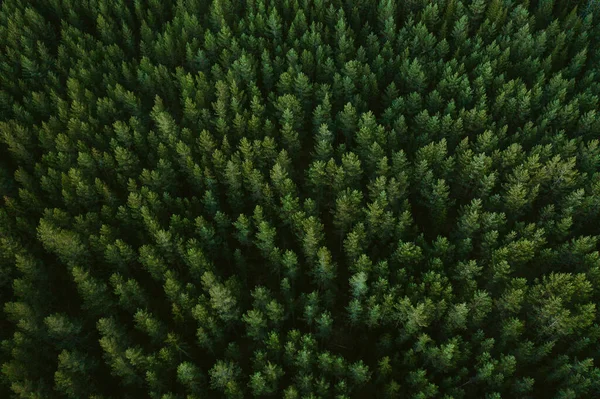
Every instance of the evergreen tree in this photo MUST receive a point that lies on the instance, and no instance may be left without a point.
(299, 199)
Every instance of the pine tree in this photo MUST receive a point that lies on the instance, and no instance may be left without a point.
(283, 199)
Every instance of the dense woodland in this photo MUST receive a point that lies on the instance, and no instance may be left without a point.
(300, 199)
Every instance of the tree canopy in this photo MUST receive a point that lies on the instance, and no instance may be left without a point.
(300, 199)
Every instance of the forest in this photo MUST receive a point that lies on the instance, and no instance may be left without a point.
(300, 199)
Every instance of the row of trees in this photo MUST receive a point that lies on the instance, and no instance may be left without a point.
(300, 199)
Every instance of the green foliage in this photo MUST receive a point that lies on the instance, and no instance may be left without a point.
(299, 199)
